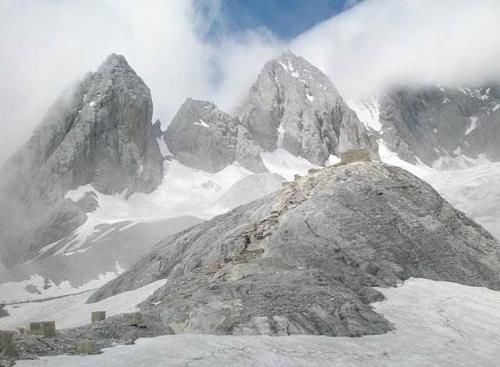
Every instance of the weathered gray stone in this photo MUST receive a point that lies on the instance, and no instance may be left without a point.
(431, 122)
(305, 259)
(203, 137)
(97, 132)
(295, 106)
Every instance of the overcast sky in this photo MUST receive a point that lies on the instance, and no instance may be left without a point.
(209, 50)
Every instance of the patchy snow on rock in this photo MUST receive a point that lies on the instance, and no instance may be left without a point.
(387, 156)
(37, 287)
(286, 164)
(202, 123)
(368, 112)
(472, 126)
(163, 147)
(435, 324)
(332, 159)
(72, 311)
(184, 191)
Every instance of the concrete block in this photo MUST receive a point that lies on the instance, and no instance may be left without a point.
(43, 328)
(97, 316)
(355, 155)
(134, 318)
(7, 344)
(86, 347)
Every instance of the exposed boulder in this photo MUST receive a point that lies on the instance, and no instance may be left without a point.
(204, 137)
(294, 105)
(305, 259)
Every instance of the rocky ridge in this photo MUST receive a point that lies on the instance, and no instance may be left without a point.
(305, 259)
(294, 105)
(432, 122)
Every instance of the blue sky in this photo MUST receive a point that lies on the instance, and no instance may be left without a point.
(284, 18)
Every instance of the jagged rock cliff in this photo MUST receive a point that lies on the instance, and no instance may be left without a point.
(98, 132)
(305, 259)
(432, 122)
(295, 106)
(204, 137)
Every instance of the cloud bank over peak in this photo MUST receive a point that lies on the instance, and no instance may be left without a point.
(379, 43)
(46, 44)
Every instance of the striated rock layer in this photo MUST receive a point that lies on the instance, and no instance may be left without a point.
(305, 259)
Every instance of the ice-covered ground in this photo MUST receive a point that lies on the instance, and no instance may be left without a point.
(72, 311)
(184, 191)
(436, 324)
(286, 164)
(474, 190)
(15, 292)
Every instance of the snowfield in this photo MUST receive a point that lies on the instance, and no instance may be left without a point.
(72, 311)
(16, 292)
(436, 324)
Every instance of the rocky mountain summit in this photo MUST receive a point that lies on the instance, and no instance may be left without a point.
(428, 123)
(204, 137)
(98, 132)
(305, 259)
(292, 105)
(295, 106)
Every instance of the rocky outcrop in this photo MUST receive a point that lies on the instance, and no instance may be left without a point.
(305, 259)
(295, 106)
(204, 137)
(432, 122)
(98, 132)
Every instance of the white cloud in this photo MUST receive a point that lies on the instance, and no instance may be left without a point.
(383, 42)
(46, 44)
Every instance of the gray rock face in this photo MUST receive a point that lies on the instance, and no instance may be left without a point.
(99, 132)
(203, 137)
(433, 122)
(305, 259)
(295, 106)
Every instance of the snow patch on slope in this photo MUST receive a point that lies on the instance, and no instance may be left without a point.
(368, 112)
(473, 190)
(184, 191)
(72, 311)
(436, 324)
(37, 287)
(286, 164)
